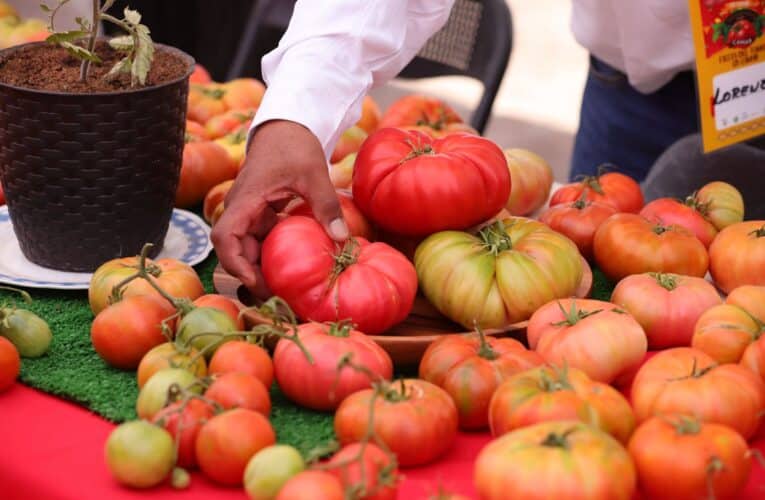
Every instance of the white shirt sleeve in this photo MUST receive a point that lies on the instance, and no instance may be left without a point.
(334, 51)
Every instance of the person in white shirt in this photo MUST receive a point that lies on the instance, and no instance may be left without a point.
(639, 99)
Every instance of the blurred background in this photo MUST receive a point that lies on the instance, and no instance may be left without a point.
(537, 106)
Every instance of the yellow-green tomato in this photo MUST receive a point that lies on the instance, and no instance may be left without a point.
(499, 276)
(203, 328)
(154, 394)
(139, 454)
(269, 469)
(27, 331)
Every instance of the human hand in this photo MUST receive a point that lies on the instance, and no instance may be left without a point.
(284, 160)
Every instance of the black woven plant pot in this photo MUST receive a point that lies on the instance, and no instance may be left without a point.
(91, 177)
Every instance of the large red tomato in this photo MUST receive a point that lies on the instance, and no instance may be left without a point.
(578, 221)
(419, 110)
(470, 367)
(126, 330)
(612, 188)
(175, 277)
(205, 165)
(669, 212)
(415, 419)
(680, 458)
(722, 204)
(737, 255)
(411, 184)
(371, 284)
(357, 223)
(563, 459)
(365, 468)
(667, 306)
(631, 244)
(319, 384)
(687, 381)
(594, 336)
(530, 181)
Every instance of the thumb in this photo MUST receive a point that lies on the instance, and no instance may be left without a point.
(325, 205)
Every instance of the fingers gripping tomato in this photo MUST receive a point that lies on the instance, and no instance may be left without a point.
(411, 184)
(370, 284)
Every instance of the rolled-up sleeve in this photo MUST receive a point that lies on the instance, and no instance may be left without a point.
(334, 52)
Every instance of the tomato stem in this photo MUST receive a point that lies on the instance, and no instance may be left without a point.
(558, 382)
(554, 440)
(417, 150)
(574, 315)
(715, 466)
(24, 295)
(484, 349)
(665, 280)
(759, 233)
(581, 202)
(495, 238)
(685, 425)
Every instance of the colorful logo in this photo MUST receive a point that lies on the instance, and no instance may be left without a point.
(734, 24)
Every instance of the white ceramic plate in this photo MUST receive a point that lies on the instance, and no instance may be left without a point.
(188, 240)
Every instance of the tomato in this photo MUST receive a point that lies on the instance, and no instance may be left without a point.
(200, 75)
(438, 130)
(228, 122)
(725, 332)
(667, 306)
(470, 367)
(175, 277)
(631, 244)
(688, 381)
(239, 390)
(27, 331)
(243, 357)
(269, 469)
(154, 395)
(564, 459)
(357, 223)
(370, 115)
(722, 203)
(186, 419)
(530, 181)
(126, 330)
(235, 145)
(371, 284)
(668, 212)
(312, 485)
(205, 165)
(754, 357)
(500, 276)
(349, 142)
(680, 458)
(215, 197)
(139, 454)
(222, 304)
(203, 329)
(411, 184)
(228, 441)
(619, 190)
(737, 256)
(195, 132)
(243, 93)
(415, 419)
(10, 364)
(742, 34)
(751, 298)
(594, 336)
(578, 220)
(169, 355)
(547, 393)
(419, 110)
(341, 173)
(366, 469)
(319, 385)
(205, 101)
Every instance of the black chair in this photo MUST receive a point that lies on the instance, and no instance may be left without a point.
(475, 42)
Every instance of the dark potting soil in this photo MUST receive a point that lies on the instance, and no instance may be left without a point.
(51, 68)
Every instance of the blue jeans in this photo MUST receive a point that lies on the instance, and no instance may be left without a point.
(629, 129)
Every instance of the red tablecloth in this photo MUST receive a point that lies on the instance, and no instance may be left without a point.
(53, 450)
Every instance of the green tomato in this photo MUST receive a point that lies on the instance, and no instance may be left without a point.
(154, 394)
(205, 320)
(139, 454)
(269, 469)
(27, 331)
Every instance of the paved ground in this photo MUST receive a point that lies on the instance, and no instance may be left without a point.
(538, 104)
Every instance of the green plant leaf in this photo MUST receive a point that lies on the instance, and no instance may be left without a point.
(123, 66)
(66, 36)
(144, 54)
(80, 52)
(132, 16)
(122, 43)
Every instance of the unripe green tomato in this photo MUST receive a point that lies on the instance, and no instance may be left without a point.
(205, 320)
(153, 395)
(139, 454)
(27, 331)
(269, 469)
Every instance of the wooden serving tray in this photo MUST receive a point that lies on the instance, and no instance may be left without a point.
(405, 342)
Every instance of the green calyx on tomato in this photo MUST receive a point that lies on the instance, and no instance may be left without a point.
(693, 202)
(495, 238)
(554, 440)
(394, 393)
(574, 315)
(759, 233)
(685, 425)
(559, 383)
(346, 257)
(213, 93)
(439, 124)
(417, 150)
(664, 280)
(340, 329)
(484, 349)
(696, 372)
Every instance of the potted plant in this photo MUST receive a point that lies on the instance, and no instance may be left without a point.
(91, 140)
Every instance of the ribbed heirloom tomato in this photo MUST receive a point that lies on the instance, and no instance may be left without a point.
(737, 255)
(411, 184)
(578, 220)
(499, 277)
(722, 203)
(371, 284)
(530, 181)
(319, 384)
(594, 336)
(619, 190)
(668, 212)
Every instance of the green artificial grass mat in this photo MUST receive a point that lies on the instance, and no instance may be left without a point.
(72, 370)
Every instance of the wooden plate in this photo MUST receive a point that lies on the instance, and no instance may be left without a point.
(405, 342)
